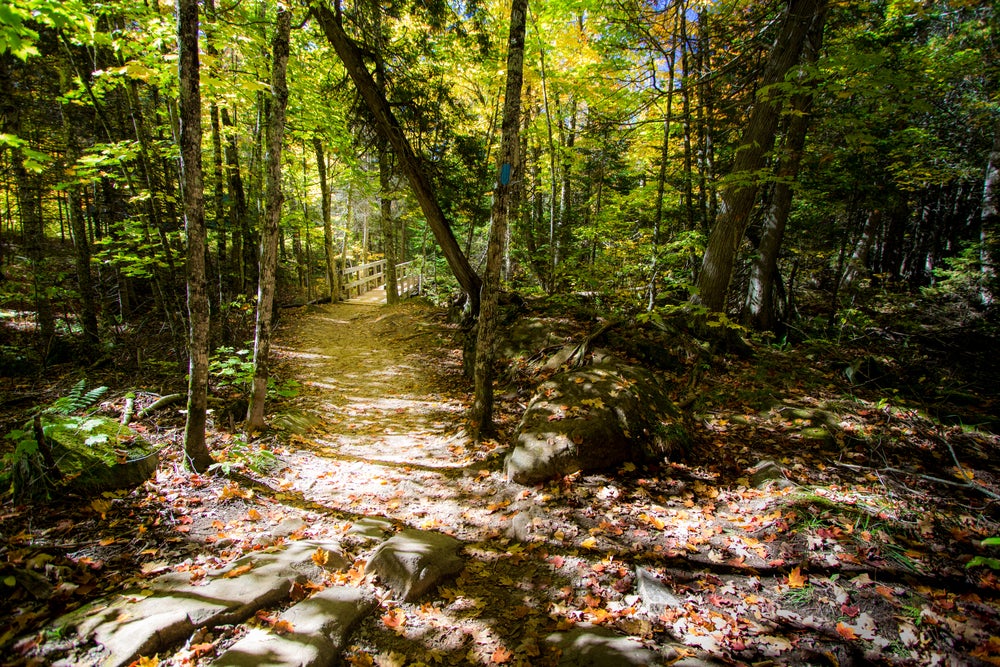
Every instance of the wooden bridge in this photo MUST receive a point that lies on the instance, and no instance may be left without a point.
(366, 283)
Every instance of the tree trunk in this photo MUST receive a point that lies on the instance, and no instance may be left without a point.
(758, 139)
(764, 271)
(989, 233)
(510, 173)
(389, 126)
(272, 218)
(332, 274)
(196, 454)
(388, 231)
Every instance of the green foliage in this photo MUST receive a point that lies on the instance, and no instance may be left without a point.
(77, 399)
(23, 468)
(240, 454)
(234, 369)
(992, 563)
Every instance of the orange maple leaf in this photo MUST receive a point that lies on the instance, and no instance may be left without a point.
(796, 579)
(394, 618)
(238, 571)
(282, 627)
(846, 631)
(501, 656)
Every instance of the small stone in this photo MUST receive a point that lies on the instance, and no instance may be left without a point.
(587, 645)
(413, 561)
(370, 528)
(654, 594)
(764, 472)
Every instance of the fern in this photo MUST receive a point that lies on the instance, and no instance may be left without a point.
(77, 399)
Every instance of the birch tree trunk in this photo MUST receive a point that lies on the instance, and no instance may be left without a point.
(510, 173)
(272, 218)
(739, 196)
(196, 454)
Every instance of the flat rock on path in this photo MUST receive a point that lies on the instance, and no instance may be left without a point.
(147, 621)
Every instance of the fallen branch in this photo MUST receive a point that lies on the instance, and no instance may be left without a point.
(163, 402)
(930, 478)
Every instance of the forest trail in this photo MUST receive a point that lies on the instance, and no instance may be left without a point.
(378, 425)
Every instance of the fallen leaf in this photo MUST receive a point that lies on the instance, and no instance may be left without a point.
(846, 631)
(321, 556)
(238, 571)
(501, 656)
(394, 618)
(796, 578)
(282, 627)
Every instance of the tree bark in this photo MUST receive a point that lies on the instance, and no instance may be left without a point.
(739, 196)
(196, 454)
(385, 215)
(387, 124)
(989, 231)
(272, 219)
(503, 202)
(332, 274)
(764, 270)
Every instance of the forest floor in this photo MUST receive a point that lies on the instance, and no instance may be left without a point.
(857, 554)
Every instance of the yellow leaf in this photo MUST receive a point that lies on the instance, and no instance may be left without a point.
(101, 506)
(796, 578)
(147, 662)
(321, 556)
(253, 515)
(589, 543)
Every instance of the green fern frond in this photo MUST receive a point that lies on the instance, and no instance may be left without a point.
(77, 399)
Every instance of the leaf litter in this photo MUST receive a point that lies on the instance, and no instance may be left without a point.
(858, 559)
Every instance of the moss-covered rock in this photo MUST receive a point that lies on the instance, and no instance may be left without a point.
(97, 454)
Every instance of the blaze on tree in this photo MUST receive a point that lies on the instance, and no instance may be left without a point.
(504, 201)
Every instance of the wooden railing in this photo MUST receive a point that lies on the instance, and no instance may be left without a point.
(364, 278)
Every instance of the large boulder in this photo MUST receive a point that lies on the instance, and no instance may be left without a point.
(592, 418)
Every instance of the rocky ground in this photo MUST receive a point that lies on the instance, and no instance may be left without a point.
(811, 521)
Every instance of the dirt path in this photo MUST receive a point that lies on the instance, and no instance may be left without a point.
(379, 422)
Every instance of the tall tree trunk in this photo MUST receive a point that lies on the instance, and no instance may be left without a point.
(29, 203)
(989, 231)
(388, 224)
(196, 454)
(332, 274)
(758, 139)
(239, 211)
(510, 173)
(78, 228)
(272, 220)
(759, 311)
(389, 126)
